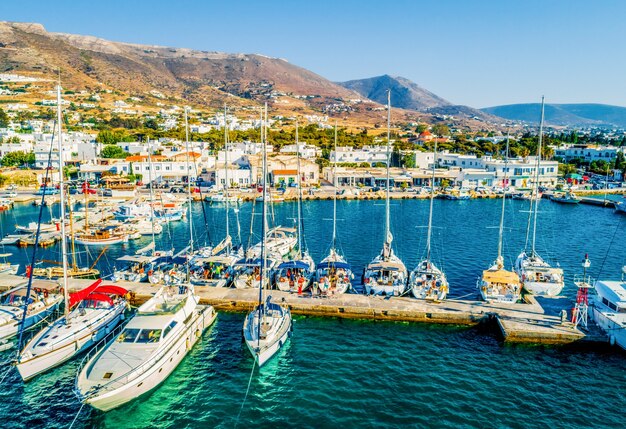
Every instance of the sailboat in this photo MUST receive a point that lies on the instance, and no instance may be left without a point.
(497, 284)
(386, 273)
(295, 274)
(333, 274)
(213, 266)
(427, 281)
(268, 326)
(538, 277)
(74, 271)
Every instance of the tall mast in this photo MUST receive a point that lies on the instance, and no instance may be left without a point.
(388, 236)
(62, 201)
(334, 242)
(188, 190)
(536, 191)
(263, 223)
(72, 244)
(151, 195)
(500, 260)
(299, 184)
(226, 184)
(430, 213)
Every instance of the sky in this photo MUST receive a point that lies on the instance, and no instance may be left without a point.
(479, 53)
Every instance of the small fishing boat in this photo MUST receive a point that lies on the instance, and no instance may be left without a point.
(101, 237)
(272, 199)
(386, 273)
(97, 310)
(146, 351)
(74, 272)
(427, 281)
(566, 198)
(7, 267)
(267, 327)
(45, 239)
(220, 197)
(44, 300)
(609, 308)
(620, 207)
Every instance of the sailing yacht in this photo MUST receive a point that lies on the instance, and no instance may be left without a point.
(333, 274)
(427, 281)
(146, 351)
(386, 273)
(296, 274)
(497, 284)
(538, 277)
(268, 326)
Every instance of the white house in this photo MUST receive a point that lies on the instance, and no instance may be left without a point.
(586, 152)
(368, 154)
(307, 151)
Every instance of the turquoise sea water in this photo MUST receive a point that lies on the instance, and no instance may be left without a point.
(373, 374)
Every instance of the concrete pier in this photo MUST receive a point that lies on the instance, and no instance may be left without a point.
(522, 322)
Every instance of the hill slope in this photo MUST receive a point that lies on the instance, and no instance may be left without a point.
(572, 115)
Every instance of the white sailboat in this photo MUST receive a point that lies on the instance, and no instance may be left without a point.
(333, 274)
(386, 273)
(538, 277)
(268, 326)
(497, 284)
(296, 274)
(427, 281)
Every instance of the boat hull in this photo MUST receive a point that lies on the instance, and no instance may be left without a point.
(267, 351)
(11, 328)
(151, 378)
(39, 364)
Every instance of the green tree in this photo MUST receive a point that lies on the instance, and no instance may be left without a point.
(4, 119)
(112, 151)
(16, 158)
(441, 130)
(421, 128)
(151, 123)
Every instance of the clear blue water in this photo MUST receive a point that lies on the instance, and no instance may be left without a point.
(373, 374)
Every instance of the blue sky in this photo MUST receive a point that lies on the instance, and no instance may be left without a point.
(479, 53)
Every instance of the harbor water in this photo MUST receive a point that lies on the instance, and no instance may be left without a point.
(350, 373)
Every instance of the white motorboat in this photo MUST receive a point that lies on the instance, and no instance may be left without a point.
(386, 273)
(97, 311)
(609, 308)
(427, 281)
(146, 351)
(497, 284)
(267, 327)
(538, 277)
(43, 301)
(31, 228)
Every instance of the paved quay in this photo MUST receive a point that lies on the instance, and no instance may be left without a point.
(525, 322)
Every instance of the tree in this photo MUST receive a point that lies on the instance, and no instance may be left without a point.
(421, 128)
(441, 130)
(151, 123)
(4, 119)
(112, 151)
(18, 157)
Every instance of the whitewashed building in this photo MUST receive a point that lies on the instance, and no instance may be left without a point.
(367, 154)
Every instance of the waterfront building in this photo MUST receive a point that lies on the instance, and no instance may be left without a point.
(586, 152)
(367, 154)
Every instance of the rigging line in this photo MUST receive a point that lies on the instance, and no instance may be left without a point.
(77, 414)
(37, 234)
(246, 395)
(5, 375)
(619, 221)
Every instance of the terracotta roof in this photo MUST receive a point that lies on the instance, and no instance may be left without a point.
(285, 172)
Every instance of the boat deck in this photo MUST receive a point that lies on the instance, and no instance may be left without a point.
(536, 321)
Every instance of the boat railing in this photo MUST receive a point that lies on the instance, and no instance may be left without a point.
(582, 281)
(137, 371)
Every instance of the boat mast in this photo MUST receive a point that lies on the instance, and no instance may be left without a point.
(430, 213)
(226, 170)
(188, 191)
(299, 184)
(263, 225)
(62, 200)
(500, 260)
(388, 236)
(334, 242)
(151, 195)
(537, 177)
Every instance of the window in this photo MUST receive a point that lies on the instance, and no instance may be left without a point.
(149, 336)
(128, 336)
(169, 328)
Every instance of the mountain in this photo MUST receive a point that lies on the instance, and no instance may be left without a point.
(88, 62)
(570, 115)
(406, 94)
